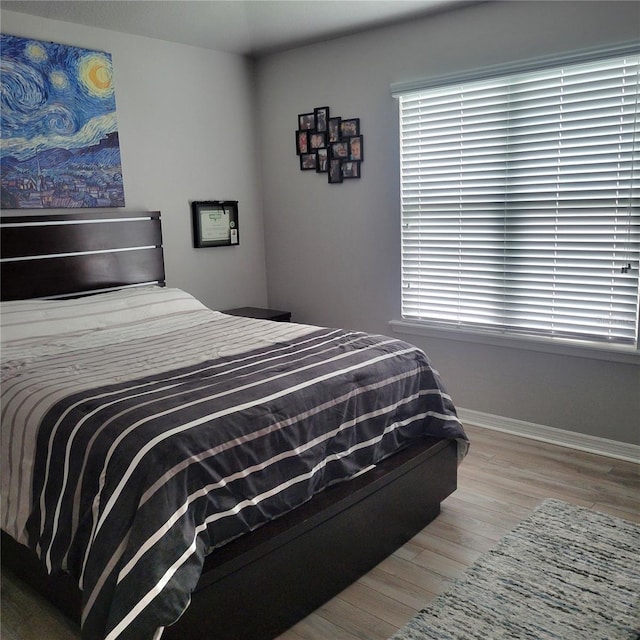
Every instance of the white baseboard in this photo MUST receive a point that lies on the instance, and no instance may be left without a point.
(571, 439)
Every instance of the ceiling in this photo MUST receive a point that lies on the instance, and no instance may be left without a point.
(249, 27)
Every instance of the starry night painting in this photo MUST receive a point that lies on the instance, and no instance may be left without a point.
(59, 146)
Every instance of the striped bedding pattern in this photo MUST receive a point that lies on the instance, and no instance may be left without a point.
(135, 442)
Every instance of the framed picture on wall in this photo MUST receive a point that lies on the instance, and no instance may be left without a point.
(215, 223)
(350, 127)
(59, 102)
(340, 149)
(351, 169)
(334, 129)
(309, 161)
(355, 148)
(335, 171)
(307, 121)
(302, 142)
(323, 160)
(317, 139)
(322, 118)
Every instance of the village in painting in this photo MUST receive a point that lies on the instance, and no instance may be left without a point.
(60, 179)
(60, 145)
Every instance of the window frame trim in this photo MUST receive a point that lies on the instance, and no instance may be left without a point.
(556, 346)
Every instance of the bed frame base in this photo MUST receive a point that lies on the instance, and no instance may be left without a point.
(259, 585)
(264, 582)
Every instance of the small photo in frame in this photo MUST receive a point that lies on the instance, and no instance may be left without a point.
(355, 148)
(350, 127)
(302, 142)
(334, 129)
(340, 149)
(317, 139)
(214, 223)
(351, 169)
(308, 161)
(322, 118)
(335, 171)
(323, 160)
(307, 121)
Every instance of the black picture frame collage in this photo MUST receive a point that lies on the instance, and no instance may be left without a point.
(331, 145)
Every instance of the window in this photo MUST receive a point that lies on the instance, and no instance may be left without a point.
(520, 198)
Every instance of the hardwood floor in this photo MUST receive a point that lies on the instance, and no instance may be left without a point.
(502, 479)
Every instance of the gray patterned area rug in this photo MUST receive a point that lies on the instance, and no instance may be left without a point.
(564, 573)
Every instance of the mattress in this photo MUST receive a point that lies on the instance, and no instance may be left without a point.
(141, 430)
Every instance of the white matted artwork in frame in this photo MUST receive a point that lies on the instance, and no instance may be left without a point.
(215, 223)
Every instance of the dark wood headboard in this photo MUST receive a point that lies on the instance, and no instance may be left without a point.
(74, 253)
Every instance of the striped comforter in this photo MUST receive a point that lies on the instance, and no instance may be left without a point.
(140, 430)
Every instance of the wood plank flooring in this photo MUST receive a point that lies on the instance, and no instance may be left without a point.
(502, 479)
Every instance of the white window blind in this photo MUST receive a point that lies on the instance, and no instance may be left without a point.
(520, 202)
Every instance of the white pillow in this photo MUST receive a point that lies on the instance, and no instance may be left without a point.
(26, 319)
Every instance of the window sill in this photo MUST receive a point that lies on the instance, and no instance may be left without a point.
(555, 346)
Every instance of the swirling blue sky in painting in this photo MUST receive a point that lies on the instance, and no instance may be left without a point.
(53, 96)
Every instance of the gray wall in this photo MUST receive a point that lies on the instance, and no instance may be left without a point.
(333, 254)
(189, 121)
(187, 132)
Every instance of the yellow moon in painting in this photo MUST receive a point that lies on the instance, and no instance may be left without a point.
(96, 75)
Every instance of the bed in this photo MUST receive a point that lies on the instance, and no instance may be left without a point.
(172, 471)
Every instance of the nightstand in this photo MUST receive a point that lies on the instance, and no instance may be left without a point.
(260, 314)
